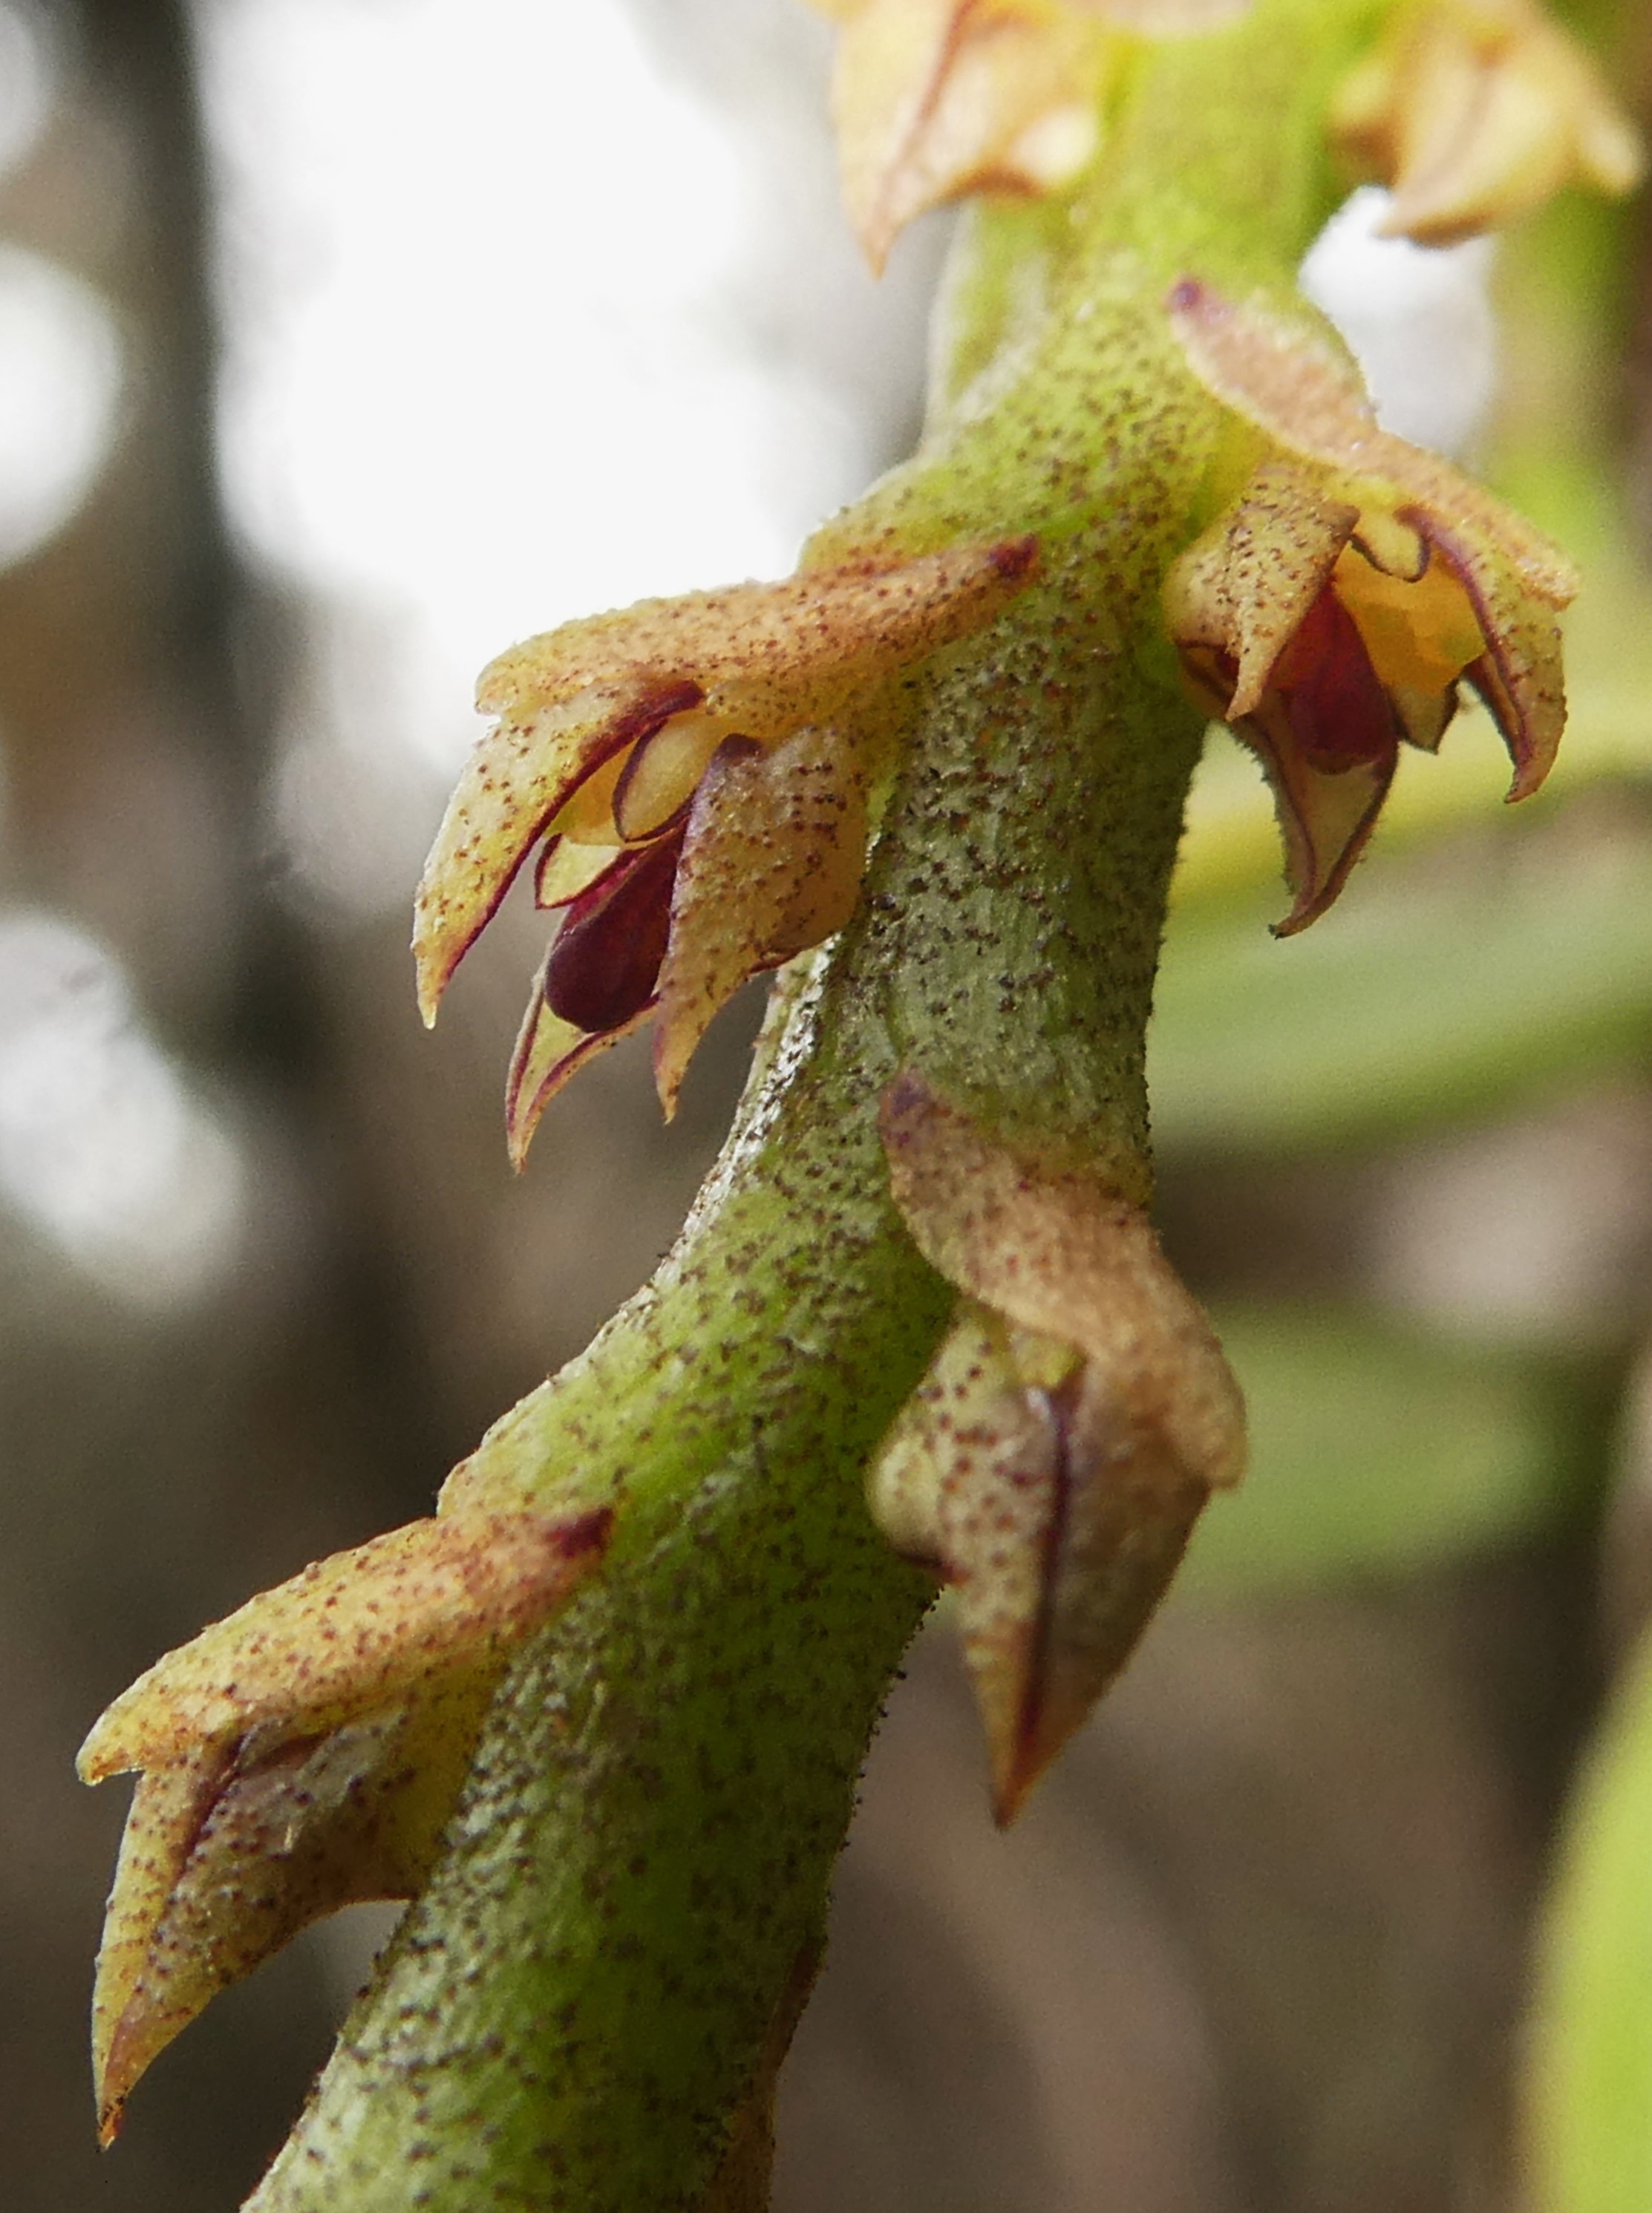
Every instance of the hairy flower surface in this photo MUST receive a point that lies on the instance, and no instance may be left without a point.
(302, 1754)
(933, 99)
(1475, 112)
(1070, 1429)
(696, 773)
(1335, 607)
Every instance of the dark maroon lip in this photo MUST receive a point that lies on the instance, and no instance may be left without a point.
(604, 965)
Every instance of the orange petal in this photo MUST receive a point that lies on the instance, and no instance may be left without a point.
(565, 870)
(969, 1481)
(1064, 1257)
(1286, 378)
(772, 864)
(167, 1810)
(1494, 143)
(766, 656)
(1419, 629)
(214, 1879)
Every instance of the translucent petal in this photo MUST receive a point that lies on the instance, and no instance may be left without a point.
(662, 772)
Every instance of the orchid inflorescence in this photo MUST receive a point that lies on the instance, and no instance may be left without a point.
(698, 782)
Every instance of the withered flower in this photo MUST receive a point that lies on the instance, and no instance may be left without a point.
(1475, 112)
(1335, 607)
(700, 771)
(1053, 1460)
(933, 99)
(303, 1754)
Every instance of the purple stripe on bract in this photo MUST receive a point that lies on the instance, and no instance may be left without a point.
(606, 962)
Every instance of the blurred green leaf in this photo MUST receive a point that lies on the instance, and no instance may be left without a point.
(1378, 1451)
(1446, 993)
(1589, 2066)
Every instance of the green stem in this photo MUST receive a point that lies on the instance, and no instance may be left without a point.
(576, 2006)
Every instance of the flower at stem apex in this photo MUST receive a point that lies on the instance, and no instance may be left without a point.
(933, 99)
(700, 771)
(1335, 607)
(303, 1754)
(1054, 1458)
(1475, 112)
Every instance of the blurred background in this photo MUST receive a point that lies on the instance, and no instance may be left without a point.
(343, 342)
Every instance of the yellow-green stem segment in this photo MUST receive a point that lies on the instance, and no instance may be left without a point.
(574, 2010)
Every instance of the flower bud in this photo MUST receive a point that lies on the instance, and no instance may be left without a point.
(304, 1754)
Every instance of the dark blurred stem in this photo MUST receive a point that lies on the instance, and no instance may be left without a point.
(272, 1031)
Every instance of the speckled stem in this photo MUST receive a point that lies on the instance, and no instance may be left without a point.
(575, 2007)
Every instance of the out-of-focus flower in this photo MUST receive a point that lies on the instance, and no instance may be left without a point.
(1053, 1460)
(303, 1754)
(1474, 112)
(700, 771)
(933, 99)
(1334, 607)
